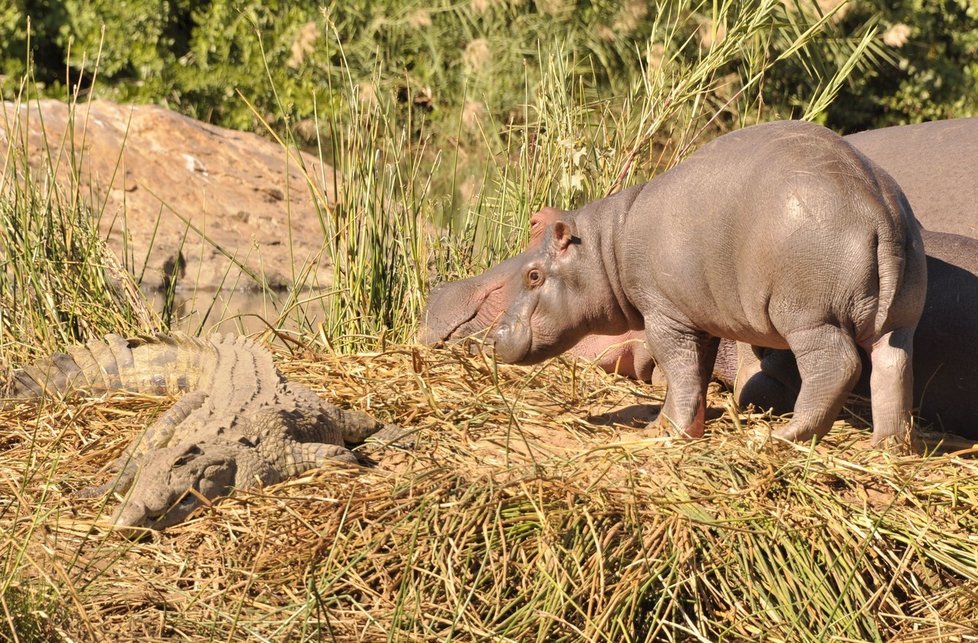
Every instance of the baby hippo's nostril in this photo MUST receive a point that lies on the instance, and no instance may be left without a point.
(500, 334)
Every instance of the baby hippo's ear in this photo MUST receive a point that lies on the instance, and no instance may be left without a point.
(562, 236)
(539, 221)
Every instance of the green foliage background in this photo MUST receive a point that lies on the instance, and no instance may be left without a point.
(933, 75)
(470, 114)
(194, 56)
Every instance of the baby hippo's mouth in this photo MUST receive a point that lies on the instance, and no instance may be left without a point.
(512, 342)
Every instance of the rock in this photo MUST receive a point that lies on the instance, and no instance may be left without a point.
(237, 189)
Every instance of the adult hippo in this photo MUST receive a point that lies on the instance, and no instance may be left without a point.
(935, 164)
(810, 247)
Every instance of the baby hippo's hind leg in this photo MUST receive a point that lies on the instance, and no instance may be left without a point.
(891, 387)
(829, 365)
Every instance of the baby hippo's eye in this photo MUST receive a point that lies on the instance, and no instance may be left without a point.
(533, 277)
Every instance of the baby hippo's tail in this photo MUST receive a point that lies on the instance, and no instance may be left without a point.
(902, 267)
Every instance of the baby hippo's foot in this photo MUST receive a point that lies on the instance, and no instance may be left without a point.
(694, 429)
(909, 443)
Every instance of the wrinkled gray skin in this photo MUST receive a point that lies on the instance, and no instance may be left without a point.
(934, 163)
(937, 167)
(811, 247)
(945, 357)
(241, 423)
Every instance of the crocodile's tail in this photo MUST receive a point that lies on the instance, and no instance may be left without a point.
(157, 364)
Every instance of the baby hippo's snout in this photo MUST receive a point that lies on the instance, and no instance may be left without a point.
(511, 341)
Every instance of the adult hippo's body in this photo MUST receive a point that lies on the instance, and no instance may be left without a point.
(778, 235)
(937, 166)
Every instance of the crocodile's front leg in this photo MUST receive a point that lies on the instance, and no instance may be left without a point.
(334, 425)
(304, 456)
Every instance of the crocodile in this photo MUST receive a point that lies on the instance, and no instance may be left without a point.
(240, 424)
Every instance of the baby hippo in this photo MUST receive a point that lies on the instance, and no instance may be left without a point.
(780, 235)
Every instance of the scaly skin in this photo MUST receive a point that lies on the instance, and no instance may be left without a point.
(240, 424)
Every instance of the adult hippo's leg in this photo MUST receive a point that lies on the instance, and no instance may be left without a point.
(768, 380)
(829, 364)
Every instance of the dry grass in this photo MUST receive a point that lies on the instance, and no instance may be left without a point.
(519, 516)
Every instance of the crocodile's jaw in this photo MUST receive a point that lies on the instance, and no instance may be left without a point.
(175, 482)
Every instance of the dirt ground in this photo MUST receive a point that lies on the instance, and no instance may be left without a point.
(217, 207)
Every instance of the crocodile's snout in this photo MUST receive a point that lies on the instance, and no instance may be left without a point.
(132, 520)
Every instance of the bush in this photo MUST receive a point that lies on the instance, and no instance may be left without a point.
(929, 70)
(439, 55)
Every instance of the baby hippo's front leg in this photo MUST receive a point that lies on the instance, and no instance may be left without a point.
(686, 358)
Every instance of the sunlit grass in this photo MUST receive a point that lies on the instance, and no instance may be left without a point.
(520, 515)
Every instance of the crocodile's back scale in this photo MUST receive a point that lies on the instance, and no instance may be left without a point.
(240, 423)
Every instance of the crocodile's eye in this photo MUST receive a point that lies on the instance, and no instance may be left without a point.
(188, 455)
(533, 277)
